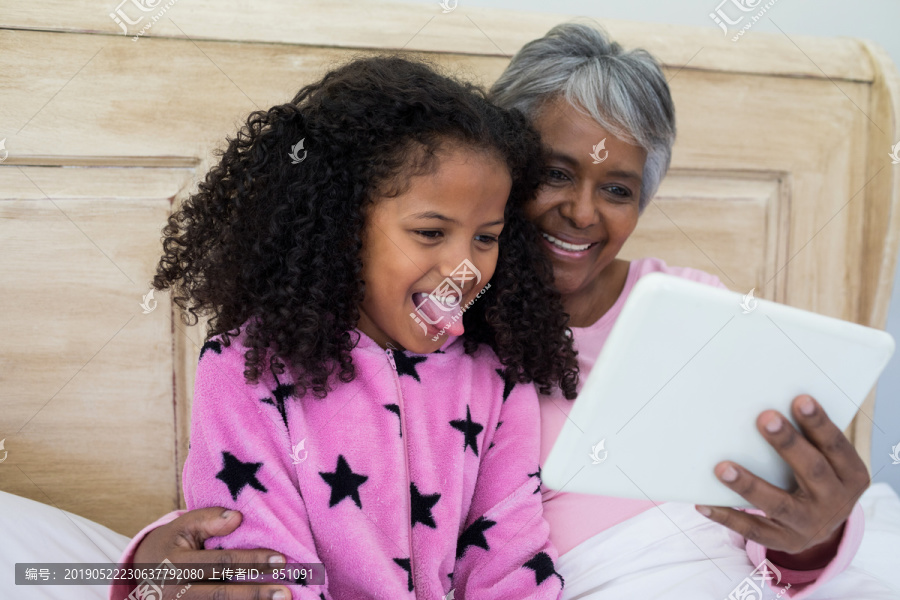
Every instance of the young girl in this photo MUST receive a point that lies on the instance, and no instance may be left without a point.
(358, 418)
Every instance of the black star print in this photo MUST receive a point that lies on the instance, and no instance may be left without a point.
(406, 365)
(302, 580)
(542, 565)
(211, 345)
(499, 423)
(421, 506)
(237, 474)
(281, 392)
(344, 482)
(538, 475)
(471, 430)
(508, 385)
(395, 408)
(404, 564)
(474, 536)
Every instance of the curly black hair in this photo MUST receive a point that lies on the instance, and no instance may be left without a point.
(276, 246)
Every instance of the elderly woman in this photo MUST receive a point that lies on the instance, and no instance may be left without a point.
(578, 88)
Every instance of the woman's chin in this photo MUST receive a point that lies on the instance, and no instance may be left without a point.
(568, 283)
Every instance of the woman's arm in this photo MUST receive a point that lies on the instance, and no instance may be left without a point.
(179, 536)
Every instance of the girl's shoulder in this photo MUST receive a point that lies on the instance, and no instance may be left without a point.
(225, 362)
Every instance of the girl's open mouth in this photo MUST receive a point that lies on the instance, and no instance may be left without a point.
(440, 313)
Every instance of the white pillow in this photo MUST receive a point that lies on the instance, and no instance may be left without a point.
(34, 532)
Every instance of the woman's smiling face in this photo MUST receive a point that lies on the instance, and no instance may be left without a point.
(585, 211)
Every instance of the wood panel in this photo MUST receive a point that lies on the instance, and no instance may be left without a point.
(87, 412)
(424, 27)
(733, 225)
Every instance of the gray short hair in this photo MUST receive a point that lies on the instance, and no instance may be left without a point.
(625, 92)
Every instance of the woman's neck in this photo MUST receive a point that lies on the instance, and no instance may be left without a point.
(587, 305)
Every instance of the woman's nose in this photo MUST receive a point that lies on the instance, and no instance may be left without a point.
(580, 209)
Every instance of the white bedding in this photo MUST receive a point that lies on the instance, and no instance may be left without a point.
(646, 557)
(674, 553)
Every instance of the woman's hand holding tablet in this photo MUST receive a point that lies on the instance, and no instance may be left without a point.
(686, 372)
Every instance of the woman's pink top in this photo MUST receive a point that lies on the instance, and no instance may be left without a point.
(575, 518)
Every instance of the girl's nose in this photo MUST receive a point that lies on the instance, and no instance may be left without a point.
(460, 269)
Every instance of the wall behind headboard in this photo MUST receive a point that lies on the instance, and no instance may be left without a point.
(106, 132)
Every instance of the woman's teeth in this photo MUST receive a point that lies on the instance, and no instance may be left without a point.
(565, 245)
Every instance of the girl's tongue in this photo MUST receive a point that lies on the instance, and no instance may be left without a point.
(452, 319)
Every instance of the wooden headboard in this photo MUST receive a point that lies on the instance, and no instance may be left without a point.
(780, 181)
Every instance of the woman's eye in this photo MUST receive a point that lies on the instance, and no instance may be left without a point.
(619, 191)
(555, 175)
(428, 233)
(486, 239)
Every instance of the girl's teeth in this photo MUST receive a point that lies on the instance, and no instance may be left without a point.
(565, 245)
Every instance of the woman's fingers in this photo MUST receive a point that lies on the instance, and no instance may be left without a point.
(181, 542)
(778, 504)
(845, 461)
(199, 525)
(227, 592)
(811, 468)
(830, 476)
(222, 559)
(752, 527)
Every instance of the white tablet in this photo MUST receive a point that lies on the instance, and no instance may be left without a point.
(678, 386)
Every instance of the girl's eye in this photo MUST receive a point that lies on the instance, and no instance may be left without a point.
(429, 233)
(487, 239)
